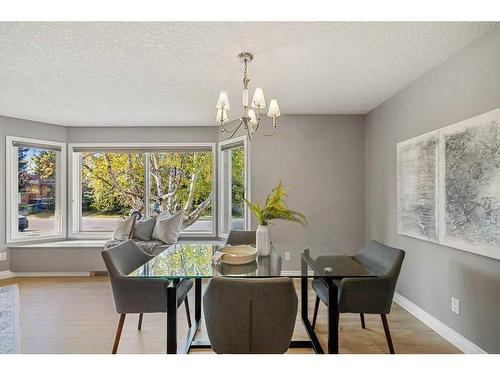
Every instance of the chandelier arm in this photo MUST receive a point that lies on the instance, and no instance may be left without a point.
(249, 132)
(233, 131)
(272, 132)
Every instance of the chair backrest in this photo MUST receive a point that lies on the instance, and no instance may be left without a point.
(128, 294)
(122, 259)
(387, 262)
(250, 315)
(383, 259)
(241, 237)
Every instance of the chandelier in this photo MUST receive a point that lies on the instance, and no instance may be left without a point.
(251, 116)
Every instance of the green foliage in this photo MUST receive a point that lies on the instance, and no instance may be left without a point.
(44, 164)
(238, 180)
(174, 172)
(22, 168)
(186, 260)
(114, 182)
(275, 208)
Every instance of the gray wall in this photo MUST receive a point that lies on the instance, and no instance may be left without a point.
(20, 128)
(322, 157)
(466, 85)
(143, 134)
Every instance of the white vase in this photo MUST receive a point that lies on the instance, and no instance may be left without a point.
(263, 239)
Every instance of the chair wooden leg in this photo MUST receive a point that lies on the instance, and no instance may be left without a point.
(362, 316)
(315, 313)
(387, 333)
(118, 333)
(188, 314)
(139, 325)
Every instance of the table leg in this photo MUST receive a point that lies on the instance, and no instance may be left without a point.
(333, 318)
(193, 331)
(197, 300)
(172, 318)
(304, 286)
(304, 308)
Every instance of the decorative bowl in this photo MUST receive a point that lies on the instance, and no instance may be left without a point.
(241, 254)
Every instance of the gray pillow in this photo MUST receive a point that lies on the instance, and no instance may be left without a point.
(167, 228)
(143, 229)
(124, 228)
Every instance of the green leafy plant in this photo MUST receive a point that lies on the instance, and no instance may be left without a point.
(275, 208)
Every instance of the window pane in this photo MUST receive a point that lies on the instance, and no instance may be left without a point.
(112, 186)
(237, 188)
(36, 191)
(183, 180)
(233, 189)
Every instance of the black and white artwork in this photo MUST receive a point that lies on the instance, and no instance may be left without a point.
(417, 189)
(472, 186)
(449, 185)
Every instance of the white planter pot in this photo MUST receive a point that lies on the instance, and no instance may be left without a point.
(263, 239)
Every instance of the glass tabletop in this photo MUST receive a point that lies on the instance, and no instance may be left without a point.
(194, 260)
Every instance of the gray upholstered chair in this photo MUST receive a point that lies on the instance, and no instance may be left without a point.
(250, 315)
(133, 295)
(367, 295)
(241, 237)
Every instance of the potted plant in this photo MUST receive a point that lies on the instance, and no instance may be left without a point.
(275, 208)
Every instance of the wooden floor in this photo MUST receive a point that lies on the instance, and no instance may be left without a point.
(77, 315)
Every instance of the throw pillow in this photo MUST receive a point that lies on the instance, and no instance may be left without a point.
(124, 228)
(143, 229)
(167, 228)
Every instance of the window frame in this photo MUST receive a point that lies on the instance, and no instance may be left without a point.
(242, 140)
(11, 179)
(75, 189)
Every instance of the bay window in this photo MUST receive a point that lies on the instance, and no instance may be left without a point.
(36, 186)
(109, 181)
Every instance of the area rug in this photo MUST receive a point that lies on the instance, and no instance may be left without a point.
(10, 329)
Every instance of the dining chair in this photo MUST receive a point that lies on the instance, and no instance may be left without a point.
(241, 237)
(367, 295)
(246, 316)
(136, 295)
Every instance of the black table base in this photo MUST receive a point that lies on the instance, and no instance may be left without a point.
(191, 343)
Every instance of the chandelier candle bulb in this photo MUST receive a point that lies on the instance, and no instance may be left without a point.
(221, 115)
(274, 109)
(258, 99)
(253, 117)
(223, 101)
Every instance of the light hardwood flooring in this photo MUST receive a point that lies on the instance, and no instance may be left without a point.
(77, 315)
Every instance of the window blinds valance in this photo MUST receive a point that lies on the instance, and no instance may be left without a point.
(40, 146)
(232, 145)
(144, 148)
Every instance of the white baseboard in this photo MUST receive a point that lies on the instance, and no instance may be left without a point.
(439, 327)
(6, 274)
(10, 274)
(51, 274)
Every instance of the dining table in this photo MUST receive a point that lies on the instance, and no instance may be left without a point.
(193, 260)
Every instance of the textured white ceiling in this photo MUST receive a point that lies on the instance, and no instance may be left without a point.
(147, 74)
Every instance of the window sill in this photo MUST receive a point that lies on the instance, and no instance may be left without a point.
(60, 244)
(88, 243)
